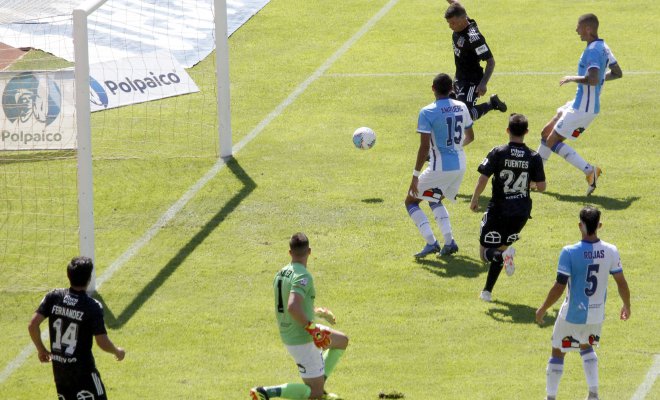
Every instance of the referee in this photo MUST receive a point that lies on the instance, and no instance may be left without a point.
(470, 49)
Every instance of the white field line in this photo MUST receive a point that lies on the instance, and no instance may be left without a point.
(509, 73)
(192, 191)
(646, 386)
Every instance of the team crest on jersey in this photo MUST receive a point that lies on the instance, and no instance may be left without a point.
(303, 282)
(577, 132)
(460, 42)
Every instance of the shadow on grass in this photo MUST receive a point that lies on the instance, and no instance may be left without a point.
(450, 266)
(14, 157)
(117, 321)
(607, 203)
(483, 201)
(502, 311)
(373, 200)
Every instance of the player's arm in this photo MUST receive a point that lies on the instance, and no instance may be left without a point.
(482, 88)
(481, 185)
(553, 295)
(295, 307)
(591, 78)
(624, 292)
(469, 136)
(104, 342)
(422, 153)
(614, 72)
(35, 335)
(540, 186)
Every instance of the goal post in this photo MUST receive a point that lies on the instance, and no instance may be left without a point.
(83, 113)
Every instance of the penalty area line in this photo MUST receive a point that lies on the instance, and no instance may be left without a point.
(645, 387)
(19, 360)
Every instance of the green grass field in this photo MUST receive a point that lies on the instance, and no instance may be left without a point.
(193, 308)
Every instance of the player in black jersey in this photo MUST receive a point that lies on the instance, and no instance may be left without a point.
(74, 319)
(470, 49)
(513, 166)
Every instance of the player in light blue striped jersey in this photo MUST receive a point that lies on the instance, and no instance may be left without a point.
(584, 266)
(445, 127)
(576, 115)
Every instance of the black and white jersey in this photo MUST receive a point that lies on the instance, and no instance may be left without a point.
(513, 166)
(74, 319)
(469, 49)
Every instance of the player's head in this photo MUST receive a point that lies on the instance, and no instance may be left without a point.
(79, 271)
(456, 17)
(442, 85)
(587, 27)
(589, 220)
(299, 245)
(517, 125)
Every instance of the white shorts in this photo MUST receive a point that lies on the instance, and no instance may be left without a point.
(572, 122)
(568, 337)
(432, 185)
(309, 359)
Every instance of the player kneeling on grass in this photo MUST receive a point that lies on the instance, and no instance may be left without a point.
(584, 266)
(315, 348)
(445, 127)
(513, 166)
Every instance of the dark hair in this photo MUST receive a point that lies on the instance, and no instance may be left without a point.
(590, 217)
(442, 84)
(455, 10)
(299, 244)
(79, 271)
(589, 19)
(518, 124)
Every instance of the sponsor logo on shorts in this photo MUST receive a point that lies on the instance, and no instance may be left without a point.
(577, 132)
(493, 237)
(301, 368)
(513, 237)
(594, 340)
(569, 342)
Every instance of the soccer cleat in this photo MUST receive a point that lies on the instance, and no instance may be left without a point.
(591, 180)
(497, 104)
(592, 396)
(486, 296)
(507, 255)
(448, 249)
(330, 396)
(258, 393)
(428, 249)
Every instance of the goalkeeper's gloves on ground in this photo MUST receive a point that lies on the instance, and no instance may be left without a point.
(326, 314)
(320, 336)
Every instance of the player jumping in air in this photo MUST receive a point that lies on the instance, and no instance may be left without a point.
(576, 115)
(315, 348)
(513, 167)
(584, 266)
(470, 49)
(445, 126)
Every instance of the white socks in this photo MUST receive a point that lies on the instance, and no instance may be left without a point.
(421, 222)
(568, 153)
(553, 375)
(442, 218)
(590, 365)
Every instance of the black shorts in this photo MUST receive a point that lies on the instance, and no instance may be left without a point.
(75, 384)
(497, 230)
(466, 92)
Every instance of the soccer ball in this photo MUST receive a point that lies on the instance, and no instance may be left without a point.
(364, 138)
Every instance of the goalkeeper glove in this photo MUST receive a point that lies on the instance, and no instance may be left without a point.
(320, 336)
(326, 314)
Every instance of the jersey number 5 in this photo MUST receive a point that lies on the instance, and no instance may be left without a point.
(69, 338)
(454, 129)
(592, 279)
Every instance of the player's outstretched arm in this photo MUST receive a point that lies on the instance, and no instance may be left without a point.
(481, 185)
(624, 292)
(482, 88)
(614, 72)
(326, 314)
(591, 78)
(35, 335)
(469, 136)
(104, 342)
(553, 295)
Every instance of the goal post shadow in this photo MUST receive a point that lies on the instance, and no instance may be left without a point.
(117, 321)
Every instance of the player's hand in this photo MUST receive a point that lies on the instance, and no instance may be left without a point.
(326, 314)
(44, 356)
(565, 79)
(120, 354)
(625, 313)
(413, 191)
(320, 336)
(481, 89)
(540, 313)
(474, 204)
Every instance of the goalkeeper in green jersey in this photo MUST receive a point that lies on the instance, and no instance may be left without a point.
(315, 348)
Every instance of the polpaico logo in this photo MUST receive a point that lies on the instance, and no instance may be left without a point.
(153, 80)
(97, 95)
(28, 98)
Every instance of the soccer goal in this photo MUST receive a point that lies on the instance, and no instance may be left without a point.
(109, 109)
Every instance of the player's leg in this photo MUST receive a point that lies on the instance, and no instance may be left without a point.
(285, 391)
(491, 241)
(309, 360)
(589, 338)
(449, 183)
(553, 372)
(417, 215)
(544, 149)
(331, 356)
